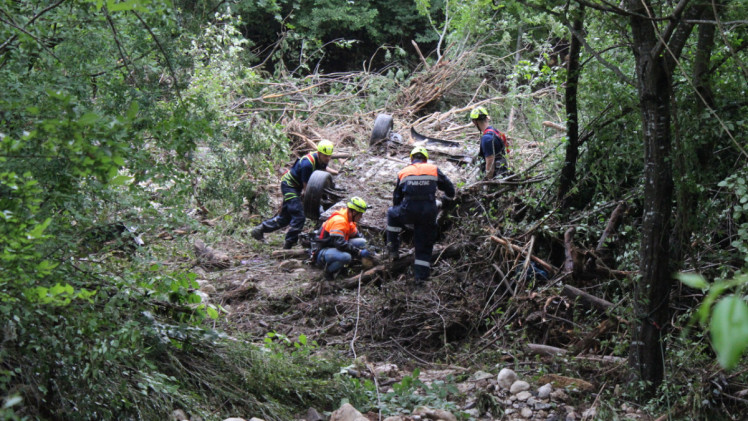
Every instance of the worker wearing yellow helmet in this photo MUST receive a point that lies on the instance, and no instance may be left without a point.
(414, 202)
(339, 239)
(493, 144)
(293, 185)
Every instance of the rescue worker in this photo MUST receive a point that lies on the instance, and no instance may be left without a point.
(339, 240)
(414, 202)
(293, 186)
(493, 145)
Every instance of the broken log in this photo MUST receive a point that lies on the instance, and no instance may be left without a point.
(587, 299)
(290, 253)
(552, 125)
(545, 350)
(573, 264)
(402, 262)
(615, 219)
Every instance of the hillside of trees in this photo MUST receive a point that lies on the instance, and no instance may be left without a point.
(129, 130)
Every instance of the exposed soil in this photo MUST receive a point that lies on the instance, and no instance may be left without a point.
(463, 312)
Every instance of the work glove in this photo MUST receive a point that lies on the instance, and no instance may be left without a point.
(365, 254)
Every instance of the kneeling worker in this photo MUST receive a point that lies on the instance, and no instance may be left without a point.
(339, 240)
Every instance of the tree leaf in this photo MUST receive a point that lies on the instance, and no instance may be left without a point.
(729, 330)
(693, 280)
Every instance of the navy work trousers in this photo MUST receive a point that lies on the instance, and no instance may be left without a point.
(292, 213)
(422, 215)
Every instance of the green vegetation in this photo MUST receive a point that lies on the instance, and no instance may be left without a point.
(125, 116)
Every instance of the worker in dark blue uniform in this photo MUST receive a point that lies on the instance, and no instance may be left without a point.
(414, 201)
(493, 145)
(293, 186)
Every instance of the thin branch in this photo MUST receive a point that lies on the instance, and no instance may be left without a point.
(163, 52)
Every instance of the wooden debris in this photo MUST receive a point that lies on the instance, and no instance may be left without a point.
(209, 258)
(546, 266)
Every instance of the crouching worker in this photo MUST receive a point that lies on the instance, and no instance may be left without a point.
(339, 241)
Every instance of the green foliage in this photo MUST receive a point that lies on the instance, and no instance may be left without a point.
(728, 318)
(410, 393)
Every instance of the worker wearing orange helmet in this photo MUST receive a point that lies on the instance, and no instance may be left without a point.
(414, 202)
(493, 144)
(293, 185)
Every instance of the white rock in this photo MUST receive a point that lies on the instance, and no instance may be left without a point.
(590, 413)
(506, 377)
(523, 395)
(544, 392)
(526, 412)
(480, 375)
(519, 386)
(234, 419)
(347, 413)
(386, 370)
(394, 418)
(178, 415)
(208, 289)
(571, 416)
(256, 419)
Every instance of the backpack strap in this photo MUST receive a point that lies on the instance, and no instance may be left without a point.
(501, 136)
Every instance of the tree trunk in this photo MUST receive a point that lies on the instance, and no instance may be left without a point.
(651, 293)
(568, 172)
(693, 159)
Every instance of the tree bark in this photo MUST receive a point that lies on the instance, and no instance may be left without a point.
(568, 172)
(655, 56)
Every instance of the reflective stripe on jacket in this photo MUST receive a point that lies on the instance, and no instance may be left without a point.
(301, 170)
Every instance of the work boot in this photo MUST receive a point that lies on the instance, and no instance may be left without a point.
(288, 244)
(258, 233)
(329, 276)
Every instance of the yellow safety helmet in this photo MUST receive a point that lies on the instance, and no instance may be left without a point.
(325, 147)
(478, 112)
(421, 150)
(356, 203)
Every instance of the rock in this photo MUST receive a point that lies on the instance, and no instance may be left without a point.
(540, 406)
(590, 413)
(178, 415)
(519, 386)
(394, 419)
(480, 375)
(256, 419)
(208, 289)
(559, 395)
(523, 395)
(571, 416)
(506, 378)
(347, 413)
(386, 370)
(204, 298)
(234, 419)
(313, 415)
(544, 392)
(526, 412)
(433, 414)
(567, 382)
